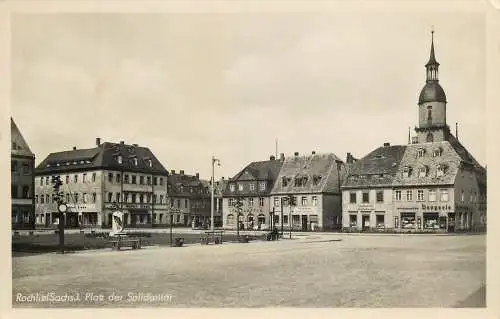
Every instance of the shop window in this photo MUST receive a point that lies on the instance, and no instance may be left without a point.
(380, 220)
(408, 221)
(431, 220)
(353, 220)
(352, 198)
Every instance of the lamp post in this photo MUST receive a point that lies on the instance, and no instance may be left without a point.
(214, 160)
(339, 164)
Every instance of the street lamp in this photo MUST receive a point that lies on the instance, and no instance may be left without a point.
(339, 164)
(214, 160)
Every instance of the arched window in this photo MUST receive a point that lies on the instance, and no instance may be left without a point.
(430, 138)
(429, 113)
(230, 219)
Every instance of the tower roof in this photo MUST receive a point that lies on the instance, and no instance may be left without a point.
(432, 92)
(432, 57)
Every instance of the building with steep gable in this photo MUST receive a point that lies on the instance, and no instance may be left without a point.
(431, 184)
(22, 166)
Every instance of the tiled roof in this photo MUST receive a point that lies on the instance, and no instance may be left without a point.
(318, 172)
(19, 145)
(378, 168)
(103, 156)
(180, 185)
(256, 171)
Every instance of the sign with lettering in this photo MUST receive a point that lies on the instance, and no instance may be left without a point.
(436, 207)
(362, 206)
(139, 206)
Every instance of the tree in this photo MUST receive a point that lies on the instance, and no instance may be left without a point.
(238, 207)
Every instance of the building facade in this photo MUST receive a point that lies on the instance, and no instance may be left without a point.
(433, 184)
(252, 186)
(100, 180)
(314, 180)
(22, 181)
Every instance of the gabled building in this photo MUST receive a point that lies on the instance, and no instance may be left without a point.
(252, 185)
(314, 180)
(431, 184)
(99, 180)
(22, 166)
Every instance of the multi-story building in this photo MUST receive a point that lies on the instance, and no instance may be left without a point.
(99, 180)
(219, 189)
(22, 165)
(190, 198)
(431, 184)
(252, 186)
(314, 180)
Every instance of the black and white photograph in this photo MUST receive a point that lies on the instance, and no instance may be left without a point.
(325, 154)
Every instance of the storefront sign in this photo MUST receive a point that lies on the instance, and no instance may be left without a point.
(138, 206)
(365, 206)
(461, 207)
(436, 207)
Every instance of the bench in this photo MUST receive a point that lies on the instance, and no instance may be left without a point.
(211, 237)
(117, 244)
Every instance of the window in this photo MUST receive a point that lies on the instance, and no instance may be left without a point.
(429, 113)
(36, 199)
(406, 171)
(420, 194)
(284, 181)
(126, 179)
(118, 178)
(13, 191)
(429, 138)
(440, 170)
(67, 198)
(93, 177)
(161, 181)
(110, 197)
(148, 180)
(408, 220)
(285, 219)
(262, 186)
(42, 199)
(380, 196)
(119, 159)
(148, 198)
(252, 186)
(240, 187)
(303, 201)
(75, 179)
(437, 152)
(380, 221)
(67, 179)
(76, 197)
(134, 179)
(41, 181)
(462, 196)
(315, 201)
(150, 163)
(110, 177)
(141, 198)
(94, 197)
(432, 195)
(134, 197)
(398, 195)
(444, 195)
(431, 220)
(276, 201)
(409, 195)
(232, 188)
(353, 220)
(85, 198)
(185, 203)
(366, 197)
(26, 192)
(47, 180)
(26, 168)
(352, 198)
(135, 161)
(141, 180)
(13, 166)
(161, 201)
(261, 201)
(420, 152)
(155, 180)
(250, 202)
(422, 172)
(118, 197)
(178, 203)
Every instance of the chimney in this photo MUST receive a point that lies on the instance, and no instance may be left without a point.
(181, 172)
(74, 148)
(349, 159)
(135, 145)
(296, 153)
(98, 141)
(222, 177)
(387, 144)
(172, 171)
(282, 156)
(272, 158)
(122, 142)
(313, 152)
(198, 175)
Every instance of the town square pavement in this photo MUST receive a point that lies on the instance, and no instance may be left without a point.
(315, 270)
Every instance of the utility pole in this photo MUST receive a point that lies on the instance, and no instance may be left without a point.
(214, 160)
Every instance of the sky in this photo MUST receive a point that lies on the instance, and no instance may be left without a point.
(189, 86)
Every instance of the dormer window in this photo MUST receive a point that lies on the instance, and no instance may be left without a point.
(420, 152)
(135, 161)
(119, 159)
(422, 171)
(406, 171)
(150, 163)
(437, 152)
(316, 179)
(284, 181)
(252, 186)
(232, 188)
(240, 187)
(441, 170)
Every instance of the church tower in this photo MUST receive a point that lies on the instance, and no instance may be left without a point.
(432, 105)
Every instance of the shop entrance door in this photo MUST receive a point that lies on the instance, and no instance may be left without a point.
(365, 222)
(451, 222)
(304, 222)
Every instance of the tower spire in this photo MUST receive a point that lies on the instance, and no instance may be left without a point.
(432, 65)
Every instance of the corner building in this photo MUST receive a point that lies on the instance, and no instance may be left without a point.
(99, 180)
(433, 184)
